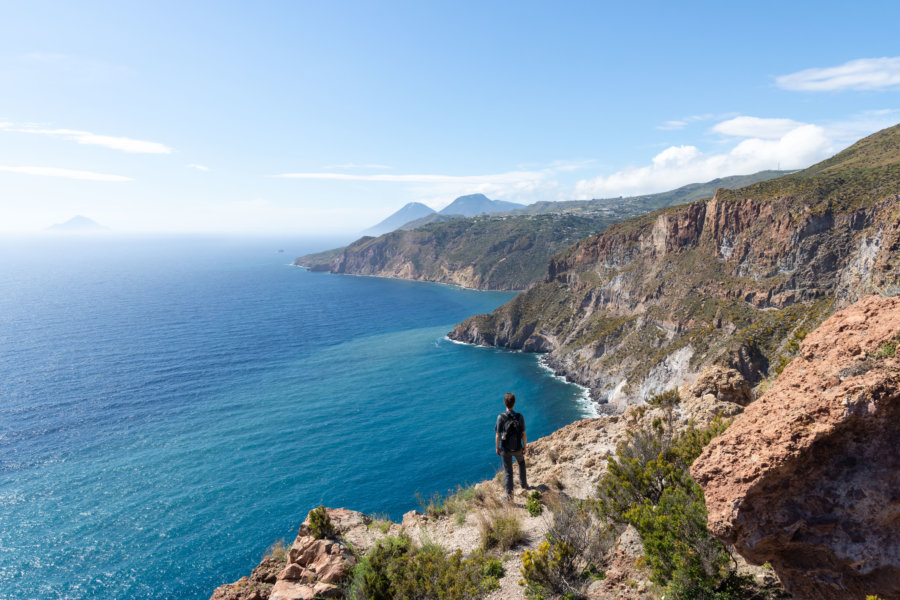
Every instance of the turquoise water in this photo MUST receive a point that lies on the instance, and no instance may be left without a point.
(169, 407)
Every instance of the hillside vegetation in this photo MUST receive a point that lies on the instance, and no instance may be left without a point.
(738, 279)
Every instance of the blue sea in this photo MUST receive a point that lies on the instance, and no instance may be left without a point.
(171, 406)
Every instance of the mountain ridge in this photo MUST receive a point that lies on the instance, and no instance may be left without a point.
(503, 251)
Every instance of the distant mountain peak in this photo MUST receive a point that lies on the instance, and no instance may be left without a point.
(476, 204)
(410, 212)
(78, 224)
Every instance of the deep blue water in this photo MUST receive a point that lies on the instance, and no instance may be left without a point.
(170, 406)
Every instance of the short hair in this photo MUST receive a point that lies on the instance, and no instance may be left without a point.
(509, 399)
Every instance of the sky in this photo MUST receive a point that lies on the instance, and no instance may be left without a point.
(325, 117)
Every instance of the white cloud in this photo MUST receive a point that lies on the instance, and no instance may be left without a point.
(198, 167)
(66, 173)
(92, 139)
(796, 148)
(749, 127)
(861, 74)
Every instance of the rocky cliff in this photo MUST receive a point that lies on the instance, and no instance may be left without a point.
(736, 280)
(508, 252)
(485, 252)
(808, 478)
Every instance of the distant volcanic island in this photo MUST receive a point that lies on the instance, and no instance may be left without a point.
(78, 224)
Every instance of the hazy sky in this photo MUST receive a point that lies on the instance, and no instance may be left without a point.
(328, 116)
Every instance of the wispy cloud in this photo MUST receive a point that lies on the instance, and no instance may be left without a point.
(510, 177)
(436, 190)
(123, 144)
(861, 74)
(685, 121)
(355, 166)
(65, 173)
(198, 167)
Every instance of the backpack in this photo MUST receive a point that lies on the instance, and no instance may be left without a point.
(511, 432)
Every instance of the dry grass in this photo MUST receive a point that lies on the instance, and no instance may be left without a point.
(279, 551)
(500, 529)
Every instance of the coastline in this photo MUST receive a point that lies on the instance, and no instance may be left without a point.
(585, 399)
(454, 285)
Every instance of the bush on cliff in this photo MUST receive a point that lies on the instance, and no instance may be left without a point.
(649, 487)
(320, 525)
(396, 568)
(572, 554)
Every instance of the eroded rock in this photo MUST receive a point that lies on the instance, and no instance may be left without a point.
(808, 478)
(725, 384)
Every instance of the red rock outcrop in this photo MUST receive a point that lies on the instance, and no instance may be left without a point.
(314, 567)
(808, 478)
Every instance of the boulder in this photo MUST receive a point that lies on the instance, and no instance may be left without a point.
(725, 384)
(808, 477)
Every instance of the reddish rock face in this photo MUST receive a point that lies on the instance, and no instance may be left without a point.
(808, 478)
(314, 567)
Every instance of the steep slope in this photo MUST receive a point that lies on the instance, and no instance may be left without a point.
(410, 212)
(486, 252)
(738, 279)
(477, 204)
(428, 220)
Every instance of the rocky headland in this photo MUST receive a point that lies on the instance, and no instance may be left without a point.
(487, 252)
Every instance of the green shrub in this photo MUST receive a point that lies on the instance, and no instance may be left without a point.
(667, 398)
(533, 504)
(886, 350)
(571, 556)
(320, 525)
(395, 568)
(648, 486)
(549, 569)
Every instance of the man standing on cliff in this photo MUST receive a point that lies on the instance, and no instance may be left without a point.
(510, 441)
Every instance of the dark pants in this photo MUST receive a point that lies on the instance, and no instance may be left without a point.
(507, 457)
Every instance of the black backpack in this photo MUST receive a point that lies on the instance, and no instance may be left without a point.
(511, 432)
